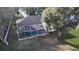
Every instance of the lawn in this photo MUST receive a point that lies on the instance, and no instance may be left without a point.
(73, 37)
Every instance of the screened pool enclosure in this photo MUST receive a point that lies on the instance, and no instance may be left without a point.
(30, 31)
(30, 27)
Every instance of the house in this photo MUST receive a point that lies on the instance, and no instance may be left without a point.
(30, 27)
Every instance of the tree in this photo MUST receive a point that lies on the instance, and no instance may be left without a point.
(56, 17)
(6, 14)
(33, 10)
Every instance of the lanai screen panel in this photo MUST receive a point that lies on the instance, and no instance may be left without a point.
(31, 31)
(24, 32)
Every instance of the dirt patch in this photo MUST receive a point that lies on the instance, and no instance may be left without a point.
(66, 47)
(44, 43)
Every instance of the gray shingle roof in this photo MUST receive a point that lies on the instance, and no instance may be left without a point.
(29, 20)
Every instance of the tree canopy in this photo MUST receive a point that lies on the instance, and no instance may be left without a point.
(33, 10)
(57, 17)
(6, 14)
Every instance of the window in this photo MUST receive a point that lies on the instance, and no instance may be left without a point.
(40, 26)
(27, 28)
(21, 29)
(33, 27)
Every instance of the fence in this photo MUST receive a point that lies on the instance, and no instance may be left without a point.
(6, 33)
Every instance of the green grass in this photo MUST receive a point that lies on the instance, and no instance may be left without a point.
(73, 37)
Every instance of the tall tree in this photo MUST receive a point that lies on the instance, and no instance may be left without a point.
(6, 14)
(33, 10)
(56, 17)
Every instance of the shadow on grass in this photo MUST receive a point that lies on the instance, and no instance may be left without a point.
(69, 36)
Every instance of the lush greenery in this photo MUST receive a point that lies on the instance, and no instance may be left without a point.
(58, 19)
(55, 17)
(73, 37)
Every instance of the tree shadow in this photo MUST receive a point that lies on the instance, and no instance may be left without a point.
(69, 36)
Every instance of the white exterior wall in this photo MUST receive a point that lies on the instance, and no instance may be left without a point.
(50, 29)
(45, 25)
